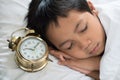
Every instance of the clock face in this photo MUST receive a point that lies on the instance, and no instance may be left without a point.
(32, 48)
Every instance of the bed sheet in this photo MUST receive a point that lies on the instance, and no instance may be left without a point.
(12, 13)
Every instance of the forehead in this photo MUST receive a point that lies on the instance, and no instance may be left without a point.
(58, 33)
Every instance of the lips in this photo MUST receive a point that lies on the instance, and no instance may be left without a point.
(94, 49)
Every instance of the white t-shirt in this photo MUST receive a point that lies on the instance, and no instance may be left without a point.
(109, 14)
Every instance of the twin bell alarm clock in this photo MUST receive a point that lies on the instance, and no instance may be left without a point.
(31, 52)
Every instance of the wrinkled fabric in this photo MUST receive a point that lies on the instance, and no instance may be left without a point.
(109, 14)
(12, 14)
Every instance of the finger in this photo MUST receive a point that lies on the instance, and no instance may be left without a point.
(59, 54)
(56, 54)
(70, 64)
(66, 56)
(62, 58)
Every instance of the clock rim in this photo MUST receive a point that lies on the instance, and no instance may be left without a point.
(23, 39)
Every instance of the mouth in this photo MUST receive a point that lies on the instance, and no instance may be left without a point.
(95, 48)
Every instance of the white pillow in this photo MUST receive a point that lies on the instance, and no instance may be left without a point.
(12, 13)
(109, 14)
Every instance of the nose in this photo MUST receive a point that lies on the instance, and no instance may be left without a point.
(84, 43)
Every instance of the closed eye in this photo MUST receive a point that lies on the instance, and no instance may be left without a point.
(84, 29)
(70, 46)
(67, 45)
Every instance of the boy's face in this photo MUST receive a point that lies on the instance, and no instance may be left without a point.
(80, 35)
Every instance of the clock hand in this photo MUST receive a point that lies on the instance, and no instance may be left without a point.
(36, 45)
(29, 49)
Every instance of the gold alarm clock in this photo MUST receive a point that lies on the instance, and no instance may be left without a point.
(31, 51)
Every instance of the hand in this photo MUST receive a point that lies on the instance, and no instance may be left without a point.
(89, 64)
(68, 61)
(82, 65)
(76, 65)
(60, 55)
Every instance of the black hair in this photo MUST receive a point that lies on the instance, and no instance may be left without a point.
(42, 12)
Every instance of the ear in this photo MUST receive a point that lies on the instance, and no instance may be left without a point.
(92, 8)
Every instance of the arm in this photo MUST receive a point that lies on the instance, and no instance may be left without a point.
(87, 66)
(94, 74)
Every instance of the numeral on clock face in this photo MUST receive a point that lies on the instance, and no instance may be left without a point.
(32, 48)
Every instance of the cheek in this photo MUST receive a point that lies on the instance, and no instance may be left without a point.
(96, 28)
(53, 42)
(94, 32)
(52, 37)
(76, 53)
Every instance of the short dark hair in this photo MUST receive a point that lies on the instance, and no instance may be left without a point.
(42, 12)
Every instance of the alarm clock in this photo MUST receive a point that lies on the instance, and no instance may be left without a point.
(31, 52)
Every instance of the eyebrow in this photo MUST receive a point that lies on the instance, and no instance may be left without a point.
(75, 29)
